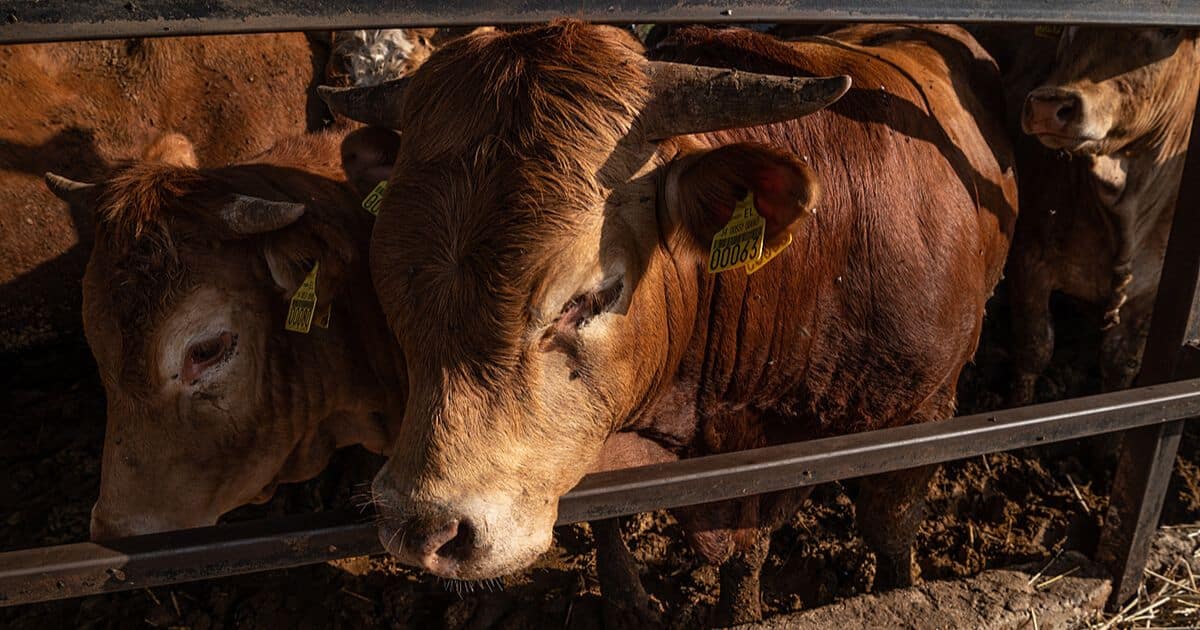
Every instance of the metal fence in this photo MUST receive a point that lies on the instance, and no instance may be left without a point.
(1151, 415)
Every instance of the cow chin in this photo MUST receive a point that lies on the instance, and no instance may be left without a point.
(106, 524)
(1071, 144)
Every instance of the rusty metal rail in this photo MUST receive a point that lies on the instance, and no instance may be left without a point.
(89, 568)
(57, 20)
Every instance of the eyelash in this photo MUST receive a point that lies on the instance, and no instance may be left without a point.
(582, 308)
(576, 313)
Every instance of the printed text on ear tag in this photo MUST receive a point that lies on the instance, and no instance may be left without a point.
(768, 254)
(304, 304)
(1051, 31)
(373, 200)
(741, 240)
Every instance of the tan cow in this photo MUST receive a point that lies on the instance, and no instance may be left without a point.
(542, 259)
(211, 402)
(80, 108)
(1111, 112)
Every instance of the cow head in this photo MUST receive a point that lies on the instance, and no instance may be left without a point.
(1110, 87)
(542, 227)
(211, 402)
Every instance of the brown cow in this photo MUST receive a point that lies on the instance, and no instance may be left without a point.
(80, 108)
(211, 402)
(542, 252)
(1112, 114)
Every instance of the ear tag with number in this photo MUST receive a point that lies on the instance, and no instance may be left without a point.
(741, 240)
(768, 254)
(304, 304)
(1051, 31)
(373, 200)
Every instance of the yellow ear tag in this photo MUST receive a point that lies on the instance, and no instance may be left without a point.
(322, 319)
(304, 304)
(768, 254)
(1051, 31)
(741, 240)
(373, 200)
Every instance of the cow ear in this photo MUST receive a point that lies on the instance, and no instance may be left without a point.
(291, 254)
(368, 155)
(702, 189)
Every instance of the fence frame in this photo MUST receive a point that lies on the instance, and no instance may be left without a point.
(1151, 415)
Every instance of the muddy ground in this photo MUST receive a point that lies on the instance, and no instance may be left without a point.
(988, 512)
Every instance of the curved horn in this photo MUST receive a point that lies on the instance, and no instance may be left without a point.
(251, 215)
(68, 190)
(687, 99)
(377, 105)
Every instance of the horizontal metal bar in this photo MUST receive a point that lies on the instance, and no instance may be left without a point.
(56, 20)
(88, 568)
(47, 573)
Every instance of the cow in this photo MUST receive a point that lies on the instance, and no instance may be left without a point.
(543, 257)
(80, 108)
(1106, 114)
(211, 401)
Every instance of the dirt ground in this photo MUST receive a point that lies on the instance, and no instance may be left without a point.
(988, 512)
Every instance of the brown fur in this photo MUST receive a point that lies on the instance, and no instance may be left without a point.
(79, 109)
(1096, 217)
(864, 322)
(284, 400)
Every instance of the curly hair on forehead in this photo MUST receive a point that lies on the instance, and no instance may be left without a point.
(132, 228)
(136, 200)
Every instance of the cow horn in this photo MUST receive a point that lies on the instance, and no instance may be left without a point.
(68, 190)
(252, 215)
(687, 99)
(377, 105)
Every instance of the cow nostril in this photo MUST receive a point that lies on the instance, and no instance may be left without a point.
(1067, 111)
(461, 545)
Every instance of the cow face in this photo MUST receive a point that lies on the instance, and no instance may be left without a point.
(529, 258)
(211, 402)
(1110, 87)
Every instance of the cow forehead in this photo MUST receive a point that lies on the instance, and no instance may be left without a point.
(1092, 52)
(557, 91)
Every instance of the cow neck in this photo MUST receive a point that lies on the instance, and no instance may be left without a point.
(1135, 189)
(372, 368)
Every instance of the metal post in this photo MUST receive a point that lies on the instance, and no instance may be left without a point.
(1148, 453)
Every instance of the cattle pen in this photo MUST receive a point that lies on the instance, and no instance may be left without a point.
(1150, 415)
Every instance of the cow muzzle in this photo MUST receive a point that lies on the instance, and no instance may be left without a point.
(1057, 117)
(469, 540)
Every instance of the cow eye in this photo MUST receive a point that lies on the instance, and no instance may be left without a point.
(204, 354)
(584, 307)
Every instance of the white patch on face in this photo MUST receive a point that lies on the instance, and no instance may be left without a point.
(514, 538)
(202, 315)
(375, 56)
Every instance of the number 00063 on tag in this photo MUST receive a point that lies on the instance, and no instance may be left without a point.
(740, 241)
